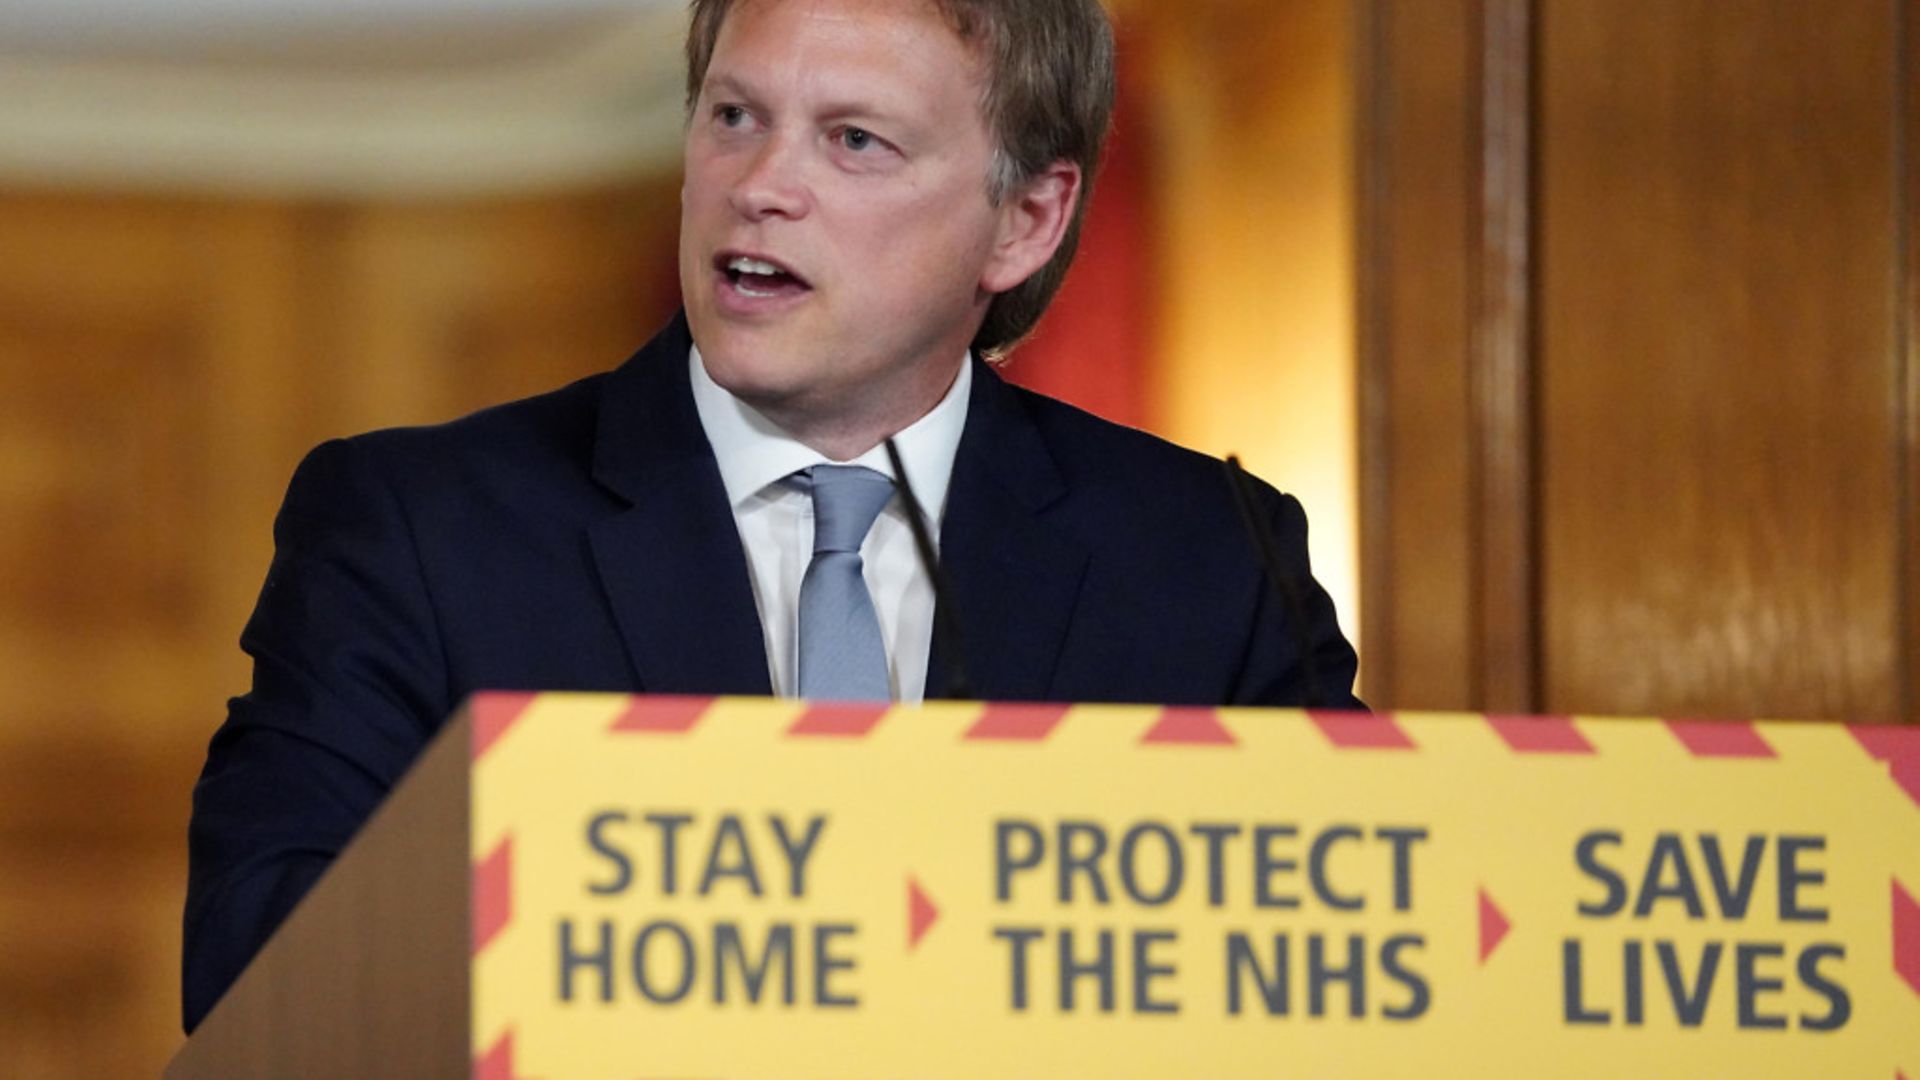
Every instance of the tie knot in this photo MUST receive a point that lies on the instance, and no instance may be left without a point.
(846, 499)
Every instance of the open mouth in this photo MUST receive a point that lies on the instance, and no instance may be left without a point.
(759, 279)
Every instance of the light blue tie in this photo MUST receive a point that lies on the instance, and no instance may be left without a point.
(842, 657)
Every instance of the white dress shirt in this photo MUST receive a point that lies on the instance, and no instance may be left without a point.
(775, 519)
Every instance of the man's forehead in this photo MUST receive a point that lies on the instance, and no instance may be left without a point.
(854, 8)
(837, 23)
(858, 12)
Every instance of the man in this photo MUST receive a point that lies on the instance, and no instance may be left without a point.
(879, 193)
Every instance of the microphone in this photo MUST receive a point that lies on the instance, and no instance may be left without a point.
(1268, 551)
(946, 621)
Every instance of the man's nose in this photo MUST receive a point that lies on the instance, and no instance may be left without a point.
(773, 184)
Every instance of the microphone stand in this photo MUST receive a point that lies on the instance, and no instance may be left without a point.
(946, 622)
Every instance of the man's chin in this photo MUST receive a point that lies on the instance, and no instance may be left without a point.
(757, 372)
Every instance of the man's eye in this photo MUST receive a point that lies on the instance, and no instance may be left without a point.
(854, 138)
(731, 115)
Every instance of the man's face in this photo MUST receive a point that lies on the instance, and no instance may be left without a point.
(836, 240)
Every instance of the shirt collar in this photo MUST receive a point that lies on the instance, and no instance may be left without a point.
(754, 452)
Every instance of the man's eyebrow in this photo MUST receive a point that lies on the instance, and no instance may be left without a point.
(860, 110)
(731, 84)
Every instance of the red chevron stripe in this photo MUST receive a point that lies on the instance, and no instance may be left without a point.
(1906, 937)
(1720, 738)
(1361, 731)
(1189, 726)
(1017, 722)
(841, 719)
(1540, 734)
(661, 714)
(498, 1062)
(1899, 747)
(493, 712)
(492, 894)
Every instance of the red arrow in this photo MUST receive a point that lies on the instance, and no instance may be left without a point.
(921, 913)
(1493, 926)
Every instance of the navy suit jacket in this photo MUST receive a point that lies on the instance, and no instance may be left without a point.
(582, 540)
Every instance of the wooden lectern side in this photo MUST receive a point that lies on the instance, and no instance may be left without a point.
(369, 975)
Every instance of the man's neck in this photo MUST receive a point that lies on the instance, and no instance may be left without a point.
(753, 451)
(845, 435)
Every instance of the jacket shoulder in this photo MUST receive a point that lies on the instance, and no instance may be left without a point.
(528, 436)
(1096, 453)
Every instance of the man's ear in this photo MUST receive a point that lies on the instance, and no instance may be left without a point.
(1033, 221)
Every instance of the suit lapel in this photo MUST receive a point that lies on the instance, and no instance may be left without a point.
(677, 579)
(672, 565)
(1015, 577)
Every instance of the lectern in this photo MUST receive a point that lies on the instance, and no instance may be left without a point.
(584, 886)
(369, 976)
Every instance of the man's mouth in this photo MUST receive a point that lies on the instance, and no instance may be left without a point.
(760, 279)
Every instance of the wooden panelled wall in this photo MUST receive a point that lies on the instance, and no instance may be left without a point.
(1639, 397)
(163, 365)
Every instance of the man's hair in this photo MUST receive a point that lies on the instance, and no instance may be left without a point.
(1049, 98)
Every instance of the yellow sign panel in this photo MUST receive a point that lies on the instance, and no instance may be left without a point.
(678, 888)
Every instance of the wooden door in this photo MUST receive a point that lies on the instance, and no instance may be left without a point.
(1639, 409)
